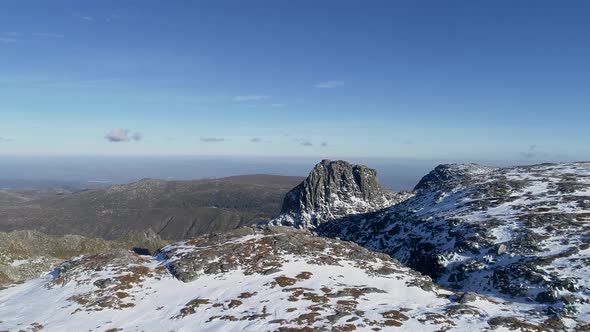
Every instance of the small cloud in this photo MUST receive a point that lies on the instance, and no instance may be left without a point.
(256, 140)
(212, 139)
(328, 84)
(306, 143)
(5, 140)
(7, 40)
(324, 144)
(118, 135)
(250, 98)
(13, 34)
(278, 105)
(47, 35)
(123, 135)
(83, 17)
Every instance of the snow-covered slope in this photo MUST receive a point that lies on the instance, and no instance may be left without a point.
(274, 279)
(520, 234)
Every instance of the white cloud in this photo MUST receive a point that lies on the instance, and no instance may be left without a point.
(13, 37)
(278, 105)
(7, 40)
(328, 84)
(47, 35)
(212, 139)
(123, 135)
(118, 135)
(251, 98)
(82, 16)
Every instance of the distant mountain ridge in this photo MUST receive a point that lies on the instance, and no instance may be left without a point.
(171, 209)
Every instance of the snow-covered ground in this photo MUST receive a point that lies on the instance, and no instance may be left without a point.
(332, 285)
(508, 248)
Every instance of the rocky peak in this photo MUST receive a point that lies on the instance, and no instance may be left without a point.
(449, 174)
(332, 190)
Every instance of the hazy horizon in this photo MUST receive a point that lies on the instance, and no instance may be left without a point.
(90, 172)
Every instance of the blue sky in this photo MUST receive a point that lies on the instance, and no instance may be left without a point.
(496, 80)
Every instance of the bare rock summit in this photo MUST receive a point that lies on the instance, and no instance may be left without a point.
(335, 189)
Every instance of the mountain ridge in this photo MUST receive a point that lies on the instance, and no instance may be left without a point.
(172, 209)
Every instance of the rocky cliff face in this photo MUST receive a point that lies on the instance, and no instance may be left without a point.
(335, 189)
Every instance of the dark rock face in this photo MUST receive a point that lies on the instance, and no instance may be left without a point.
(425, 260)
(332, 190)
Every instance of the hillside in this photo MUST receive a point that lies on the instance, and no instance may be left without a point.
(171, 209)
(272, 279)
(519, 234)
(25, 255)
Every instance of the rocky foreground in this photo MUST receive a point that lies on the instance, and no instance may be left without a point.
(272, 279)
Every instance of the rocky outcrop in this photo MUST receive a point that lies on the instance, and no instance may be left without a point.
(26, 254)
(335, 189)
(450, 174)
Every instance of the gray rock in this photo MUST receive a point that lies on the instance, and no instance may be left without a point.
(569, 299)
(104, 283)
(467, 297)
(548, 296)
(332, 190)
(271, 271)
